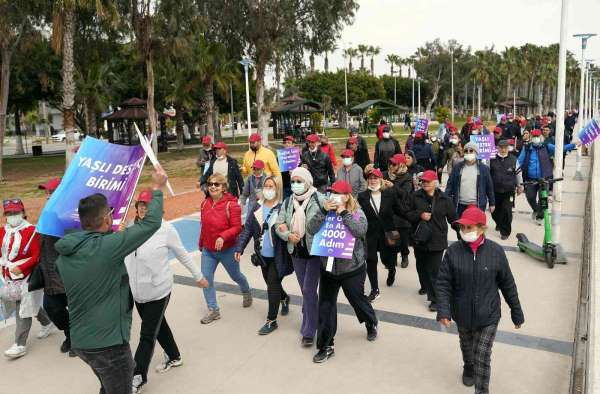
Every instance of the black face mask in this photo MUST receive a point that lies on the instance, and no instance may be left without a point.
(254, 148)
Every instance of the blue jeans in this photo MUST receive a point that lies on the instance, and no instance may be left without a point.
(208, 265)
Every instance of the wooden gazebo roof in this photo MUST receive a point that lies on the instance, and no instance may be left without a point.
(382, 105)
(134, 108)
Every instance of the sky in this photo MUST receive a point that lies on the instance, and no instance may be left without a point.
(400, 26)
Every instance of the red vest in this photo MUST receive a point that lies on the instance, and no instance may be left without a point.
(29, 257)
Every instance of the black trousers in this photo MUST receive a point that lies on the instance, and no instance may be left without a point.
(354, 288)
(532, 192)
(388, 258)
(275, 292)
(56, 308)
(154, 327)
(429, 263)
(502, 215)
(404, 241)
(113, 366)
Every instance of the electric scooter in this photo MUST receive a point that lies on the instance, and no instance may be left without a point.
(548, 252)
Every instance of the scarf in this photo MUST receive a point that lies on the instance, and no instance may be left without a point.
(13, 233)
(299, 215)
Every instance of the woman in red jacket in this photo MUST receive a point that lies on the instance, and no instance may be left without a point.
(19, 254)
(221, 220)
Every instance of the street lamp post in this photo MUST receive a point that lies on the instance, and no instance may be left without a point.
(560, 130)
(346, 90)
(584, 37)
(452, 82)
(419, 95)
(231, 102)
(413, 95)
(246, 63)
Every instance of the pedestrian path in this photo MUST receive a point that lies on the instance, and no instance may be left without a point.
(412, 355)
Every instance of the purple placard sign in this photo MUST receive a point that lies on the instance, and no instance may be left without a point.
(333, 239)
(589, 133)
(98, 167)
(421, 125)
(486, 144)
(288, 158)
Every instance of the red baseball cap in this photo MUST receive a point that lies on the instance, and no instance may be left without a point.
(258, 164)
(353, 140)
(398, 158)
(347, 153)
(145, 196)
(312, 138)
(511, 141)
(13, 205)
(220, 145)
(429, 176)
(255, 137)
(206, 140)
(498, 130)
(376, 172)
(536, 133)
(472, 215)
(420, 134)
(289, 138)
(51, 185)
(341, 187)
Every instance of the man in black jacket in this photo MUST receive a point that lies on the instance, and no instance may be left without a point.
(318, 163)
(227, 166)
(506, 176)
(472, 272)
(361, 151)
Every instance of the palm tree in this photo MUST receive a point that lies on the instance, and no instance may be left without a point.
(373, 51)
(95, 85)
(362, 49)
(349, 54)
(331, 47)
(394, 60)
(480, 73)
(64, 23)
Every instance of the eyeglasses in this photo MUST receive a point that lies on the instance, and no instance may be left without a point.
(297, 182)
(213, 184)
(13, 201)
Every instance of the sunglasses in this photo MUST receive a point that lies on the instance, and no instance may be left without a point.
(470, 151)
(5, 203)
(213, 184)
(297, 182)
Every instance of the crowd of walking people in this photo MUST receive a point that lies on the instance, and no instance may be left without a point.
(86, 283)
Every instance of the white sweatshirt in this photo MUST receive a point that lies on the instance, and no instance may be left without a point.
(150, 274)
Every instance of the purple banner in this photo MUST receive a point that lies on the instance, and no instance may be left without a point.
(486, 144)
(589, 133)
(421, 125)
(288, 158)
(333, 239)
(98, 167)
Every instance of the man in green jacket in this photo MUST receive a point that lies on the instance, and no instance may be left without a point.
(91, 264)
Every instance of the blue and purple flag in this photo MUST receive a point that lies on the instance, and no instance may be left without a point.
(333, 239)
(289, 158)
(589, 133)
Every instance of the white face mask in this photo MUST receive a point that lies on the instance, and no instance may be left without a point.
(336, 198)
(433, 139)
(375, 188)
(298, 188)
(470, 156)
(386, 135)
(469, 237)
(511, 148)
(454, 142)
(220, 157)
(268, 194)
(347, 161)
(536, 140)
(313, 150)
(475, 132)
(14, 220)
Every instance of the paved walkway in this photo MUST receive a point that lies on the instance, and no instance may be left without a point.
(412, 354)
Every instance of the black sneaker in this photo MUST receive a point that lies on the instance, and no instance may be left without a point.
(467, 378)
(307, 341)
(268, 328)
(422, 291)
(285, 306)
(323, 355)
(433, 307)
(371, 332)
(404, 262)
(373, 296)
(391, 276)
(66, 346)
(504, 237)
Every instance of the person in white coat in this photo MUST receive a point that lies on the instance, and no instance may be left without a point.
(151, 282)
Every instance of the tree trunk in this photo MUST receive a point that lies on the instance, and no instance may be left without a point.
(217, 124)
(179, 126)
(372, 67)
(68, 71)
(4, 81)
(362, 62)
(209, 100)
(326, 63)
(479, 94)
(436, 90)
(260, 101)
(150, 102)
(278, 75)
(350, 66)
(19, 149)
(540, 99)
(311, 60)
(90, 117)
(46, 123)
(507, 86)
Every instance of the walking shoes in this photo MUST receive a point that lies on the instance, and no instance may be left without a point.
(323, 355)
(268, 328)
(167, 364)
(211, 316)
(246, 300)
(46, 330)
(16, 351)
(285, 306)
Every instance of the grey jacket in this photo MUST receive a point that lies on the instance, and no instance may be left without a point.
(354, 177)
(357, 224)
(251, 186)
(314, 206)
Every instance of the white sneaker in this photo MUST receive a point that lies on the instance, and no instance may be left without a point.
(137, 384)
(46, 330)
(16, 351)
(539, 222)
(167, 364)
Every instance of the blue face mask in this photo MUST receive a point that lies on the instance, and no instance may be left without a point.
(298, 188)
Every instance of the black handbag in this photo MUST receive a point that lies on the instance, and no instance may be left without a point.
(392, 237)
(256, 258)
(424, 231)
(36, 279)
